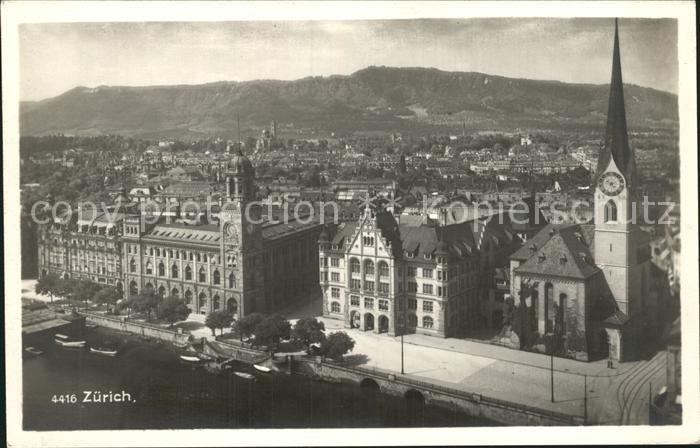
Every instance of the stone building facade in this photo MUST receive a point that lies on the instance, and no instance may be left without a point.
(408, 273)
(243, 263)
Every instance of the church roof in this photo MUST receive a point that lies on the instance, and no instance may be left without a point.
(616, 143)
(564, 250)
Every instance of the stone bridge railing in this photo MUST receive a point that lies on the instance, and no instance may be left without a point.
(476, 404)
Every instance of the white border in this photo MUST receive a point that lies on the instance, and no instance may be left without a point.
(14, 13)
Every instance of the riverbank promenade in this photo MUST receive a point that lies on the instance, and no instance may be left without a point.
(611, 396)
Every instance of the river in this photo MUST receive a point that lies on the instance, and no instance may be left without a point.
(164, 393)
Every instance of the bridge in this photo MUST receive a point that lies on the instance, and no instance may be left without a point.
(421, 393)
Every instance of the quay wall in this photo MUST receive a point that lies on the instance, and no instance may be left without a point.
(137, 328)
(474, 404)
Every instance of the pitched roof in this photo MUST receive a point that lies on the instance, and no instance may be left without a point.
(566, 252)
(206, 234)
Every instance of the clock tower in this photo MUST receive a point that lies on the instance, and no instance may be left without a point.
(615, 202)
(241, 236)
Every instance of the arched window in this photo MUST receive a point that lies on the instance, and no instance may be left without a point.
(355, 266)
(132, 265)
(335, 307)
(427, 322)
(149, 285)
(161, 269)
(611, 211)
(161, 290)
(369, 267)
(217, 277)
(174, 293)
(412, 320)
(188, 273)
(133, 288)
(383, 269)
(202, 275)
(149, 268)
(231, 280)
(232, 306)
(174, 271)
(216, 302)
(560, 323)
(549, 311)
(188, 297)
(202, 300)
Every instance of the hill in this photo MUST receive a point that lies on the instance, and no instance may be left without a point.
(372, 99)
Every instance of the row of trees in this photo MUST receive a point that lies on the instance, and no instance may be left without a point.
(79, 290)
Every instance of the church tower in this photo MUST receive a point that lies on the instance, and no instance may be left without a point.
(615, 201)
(241, 236)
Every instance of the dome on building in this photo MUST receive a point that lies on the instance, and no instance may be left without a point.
(240, 164)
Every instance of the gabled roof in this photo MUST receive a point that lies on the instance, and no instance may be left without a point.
(565, 252)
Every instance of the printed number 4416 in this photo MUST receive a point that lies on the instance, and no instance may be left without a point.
(64, 399)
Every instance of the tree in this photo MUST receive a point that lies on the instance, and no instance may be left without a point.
(109, 295)
(47, 284)
(337, 344)
(246, 325)
(271, 329)
(173, 310)
(218, 319)
(84, 290)
(145, 302)
(309, 330)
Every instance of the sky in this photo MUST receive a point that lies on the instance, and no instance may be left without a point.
(55, 58)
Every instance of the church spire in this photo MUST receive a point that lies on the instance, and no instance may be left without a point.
(616, 143)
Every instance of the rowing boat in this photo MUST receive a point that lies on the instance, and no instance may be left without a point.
(244, 375)
(262, 368)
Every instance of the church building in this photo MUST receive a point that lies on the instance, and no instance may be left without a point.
(585, 290)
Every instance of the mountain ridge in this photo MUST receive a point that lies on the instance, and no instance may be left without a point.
(376, 98)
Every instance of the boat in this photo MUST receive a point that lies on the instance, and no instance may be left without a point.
(262, 368)
(65, 341)
(106, 351)
(244, 375)
(33, 351)
(190, 359)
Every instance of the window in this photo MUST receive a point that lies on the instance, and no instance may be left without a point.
(188, 273)
(202, 275)
(231, 280)
(149, 268)
(427, 306)
(442, 291)
(204, 258)
(132, 266)
(335, 276)
(335, 293)
(216, 302)
(161, 269)
(427, 273)
(611, 211)
(428, 289)
(369, 267)
(199, 257)
(368, 241)
(383, 288)
(335, 307)
(170, 253)
(442, 275)
(355, 266)
(369, 286)
(355, 300)
(412, 304)
(427, 322)
(412, 287)
(174, 271)
(355, 283)
(383, 305)
(217, 277)
(335, 262)
(383, 269)
(369, 302)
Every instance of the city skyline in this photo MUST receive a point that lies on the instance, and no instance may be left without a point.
(55, 58)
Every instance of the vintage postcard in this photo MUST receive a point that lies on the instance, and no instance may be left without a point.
(333, 223)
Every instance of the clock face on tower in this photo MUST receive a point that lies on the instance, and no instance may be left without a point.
(611, 183)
